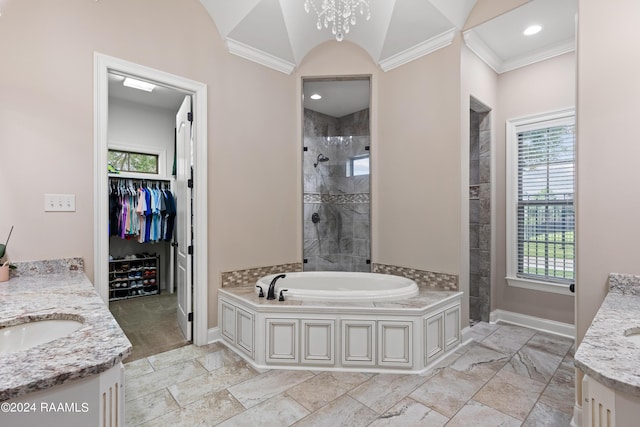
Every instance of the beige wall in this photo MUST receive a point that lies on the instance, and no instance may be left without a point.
(608, 153)
(418, 174)
(46, 127)
(538, 88)
(485, 10)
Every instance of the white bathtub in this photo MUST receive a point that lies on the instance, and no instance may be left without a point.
(341, 286)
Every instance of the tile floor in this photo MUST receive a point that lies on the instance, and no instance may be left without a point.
(507, 376)
(150, 323)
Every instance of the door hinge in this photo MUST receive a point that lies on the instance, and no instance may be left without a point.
(190, 250)
(190, 117)
(190, 317)
(190, 183)
(305, 148)
(367, 148)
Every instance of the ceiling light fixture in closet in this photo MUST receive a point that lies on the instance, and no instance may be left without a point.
(138, 84)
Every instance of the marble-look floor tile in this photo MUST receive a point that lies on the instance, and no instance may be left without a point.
(409, 413)
(137, 368)
(448, 391)
(196, 388)
(560, 393)
(218, 359)
(550, 343)
(530, 362)
(265, 386)
(385, 390)
(484, 329)
(477, 414)
(544, 415)
(482, 362)
(205, 412)
(508, 339)
(316, 392)
(149, 407)
(280, 410)
(170, 358)
(344, 411)
(157, 380)
(510, 393)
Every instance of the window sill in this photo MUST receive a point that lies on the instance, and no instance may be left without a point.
(540, 286)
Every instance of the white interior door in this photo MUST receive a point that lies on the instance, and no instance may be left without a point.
(183, 217)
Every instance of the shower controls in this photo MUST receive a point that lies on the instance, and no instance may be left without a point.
(315, 218)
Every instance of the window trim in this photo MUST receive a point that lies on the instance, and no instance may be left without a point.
(155, 151)
(512, 128)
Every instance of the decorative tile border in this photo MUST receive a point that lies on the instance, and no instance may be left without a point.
(50, 266)
(336, 198)
(430, 279)
(249, 276)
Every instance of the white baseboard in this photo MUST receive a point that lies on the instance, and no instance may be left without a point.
(537, 323)
(213, 335)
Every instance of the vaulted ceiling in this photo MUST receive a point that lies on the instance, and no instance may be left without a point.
(279, 33)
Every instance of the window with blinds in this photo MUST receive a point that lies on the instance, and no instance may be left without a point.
(545, 213)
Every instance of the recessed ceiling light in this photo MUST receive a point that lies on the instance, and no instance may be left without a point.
(532, 29)
(316, 96)
(138, 84)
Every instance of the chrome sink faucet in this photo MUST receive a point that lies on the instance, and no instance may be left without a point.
(272, 286)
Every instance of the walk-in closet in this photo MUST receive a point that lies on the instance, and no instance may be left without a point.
(143, 210)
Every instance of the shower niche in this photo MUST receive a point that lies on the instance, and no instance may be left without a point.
(336, 174)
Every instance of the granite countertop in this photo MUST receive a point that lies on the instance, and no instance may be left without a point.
(606, 354)
(97, 346)
(426, 298)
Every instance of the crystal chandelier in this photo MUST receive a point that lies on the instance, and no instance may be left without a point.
(341, 14)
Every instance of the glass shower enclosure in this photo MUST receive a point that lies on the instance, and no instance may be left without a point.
(336, 174)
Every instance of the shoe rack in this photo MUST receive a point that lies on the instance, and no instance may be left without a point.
(134, 276)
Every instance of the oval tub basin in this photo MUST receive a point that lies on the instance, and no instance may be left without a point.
(341, 286)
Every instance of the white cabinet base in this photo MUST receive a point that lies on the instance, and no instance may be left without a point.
(97, 400)
(371, 340)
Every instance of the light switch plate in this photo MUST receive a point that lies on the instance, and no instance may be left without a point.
(59, 202)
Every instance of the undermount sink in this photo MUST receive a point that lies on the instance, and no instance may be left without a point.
(633, 335)
(26, 335)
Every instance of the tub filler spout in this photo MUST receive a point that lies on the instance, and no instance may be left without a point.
(271, 294)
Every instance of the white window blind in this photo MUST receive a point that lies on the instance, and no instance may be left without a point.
(545, 213)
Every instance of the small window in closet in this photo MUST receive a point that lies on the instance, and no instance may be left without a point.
(129, 161)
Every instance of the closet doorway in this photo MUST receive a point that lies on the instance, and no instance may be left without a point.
(147, 264)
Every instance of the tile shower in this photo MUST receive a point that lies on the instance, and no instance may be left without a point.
(479, 212)
(336, 221)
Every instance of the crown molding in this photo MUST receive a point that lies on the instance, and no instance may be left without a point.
(540, 55)
(484, 52)
(258, 56)
(418, 51)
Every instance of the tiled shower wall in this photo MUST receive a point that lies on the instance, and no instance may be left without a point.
(480, 216)
(340, 240)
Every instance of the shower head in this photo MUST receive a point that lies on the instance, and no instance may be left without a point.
(321, 158)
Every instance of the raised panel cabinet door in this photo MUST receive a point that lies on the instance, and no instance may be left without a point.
(358, 342)
(451, 328)
(282, 340)
(318, 341)
(245, 328)
(395, 343)
(228, 321)
(434, 337)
